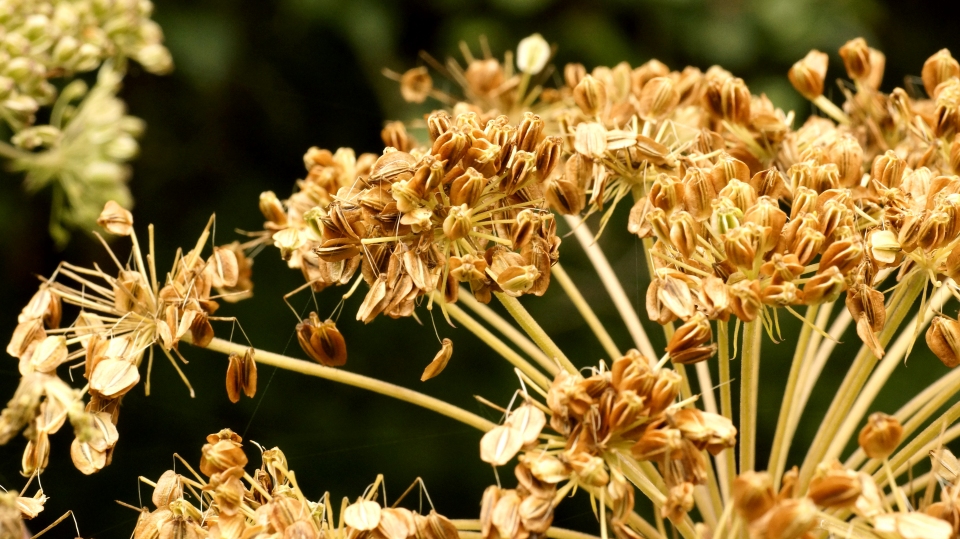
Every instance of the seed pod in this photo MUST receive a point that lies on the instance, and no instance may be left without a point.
(438, 123)
(590, 95)
(363, 515)
(44, 305)
(500, 444)
(241, 375)
(533, 53)
(167, 490)
(753, 494)
(467, 188)
(880, 436)
(846, 153)
(394, 134)
(322, 341)
(484, 76)
(835, 488)
(943, 339)
(439, 361)
(548, 153)
(529, 421)
(658, 98)
(856, 58)
(272, 209)
(808, 74)
(699, 191)
(416, 85)
(85, 458)
(115, 220)
(689, 343)
(888, 169)
(937, 69)
(791, 519)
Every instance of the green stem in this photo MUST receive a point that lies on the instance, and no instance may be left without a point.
(357, 380)
(509, 331)
(897, 308)
(533, 329)
(749, 385)
(586, 312)
(781, 443)
(726, 404)
(498, 346)
(612, 283)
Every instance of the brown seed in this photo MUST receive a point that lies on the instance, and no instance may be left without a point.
(322, 341)
(658, 98)
(807, 75)
(115, 220)
(937, 69)
(880, 436)
(753, 494)
(167, 490)
(791, 519)
(856, 58)
(363, 515)
(415, 85)
(590, 95)
(439, 361)
(943, 338)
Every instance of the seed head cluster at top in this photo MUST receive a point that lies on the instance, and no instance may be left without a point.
(742, 217)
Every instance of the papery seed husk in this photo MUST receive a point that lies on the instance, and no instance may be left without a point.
(506, 514)
(943, 339)
(364, 515)
(114, 377)
(913, 525)
(87, 459)
(500, 444)
(439, 361)
(167, 490)
(233, 378)
(115, 219)
(529, 421)
(880, 436)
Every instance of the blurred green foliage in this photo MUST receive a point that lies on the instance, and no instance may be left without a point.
(256, 84)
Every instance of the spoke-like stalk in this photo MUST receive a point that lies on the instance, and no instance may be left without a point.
(749, 385)
(882, 373)
(586, 312)
(533, 329)
(726, 405)
(498, 346)
(781, 443)
(612, 283)
(897, 309)
(357, 380)
(635, 475)
(508, 330)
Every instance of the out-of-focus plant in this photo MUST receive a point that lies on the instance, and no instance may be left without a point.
(82, 149)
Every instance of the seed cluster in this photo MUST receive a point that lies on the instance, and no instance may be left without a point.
(234, 505)
(121, 317)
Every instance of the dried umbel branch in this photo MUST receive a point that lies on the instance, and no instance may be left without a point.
(122, 317)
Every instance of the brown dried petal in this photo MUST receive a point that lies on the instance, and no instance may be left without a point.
(115, 220)
(439, 361)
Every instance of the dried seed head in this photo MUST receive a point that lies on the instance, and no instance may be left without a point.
(533, 53)
(115, 220)
(322, 341)
(416, 85)
(394, 134)
(484, 76)
(807, 75)
(939, 68)
(943, 338)
(590, 140)
(439, 361)
(529, 421)
(880, 436)
(241, 375)
(846, 153)
(856, 58)
(590, 95)
(753, 494)
(658, 98)
(223, 451)
(690, 343)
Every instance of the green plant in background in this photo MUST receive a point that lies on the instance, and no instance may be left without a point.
(743, 219)
(83, 149)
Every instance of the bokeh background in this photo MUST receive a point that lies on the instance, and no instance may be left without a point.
(256, 84)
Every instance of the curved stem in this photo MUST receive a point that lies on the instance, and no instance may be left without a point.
(587, 312)
(498, 346)
(749, 385)
(612, 283)
(533, 329)
(509, 331)
(357, 380)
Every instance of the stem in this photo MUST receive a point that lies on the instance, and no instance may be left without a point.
(352, 379)
(636, 476)
(883, 372)
(897, 494)
(586, 311)
(749, 383)
(726, 405)
(781, 443)
(498, 346)
(533, 329)
(831, 110)
(508, 331)
(897, 308)
(552, 532)
(612, 283)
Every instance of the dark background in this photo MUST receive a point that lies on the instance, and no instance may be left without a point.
(256, 84)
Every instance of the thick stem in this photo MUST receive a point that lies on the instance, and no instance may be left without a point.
(857, 375)
(612, 283)
(516, 336)
(586, 312)
(533, 329)
(357, 380)
(498, 346)
(749, 385)
(781, 443)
